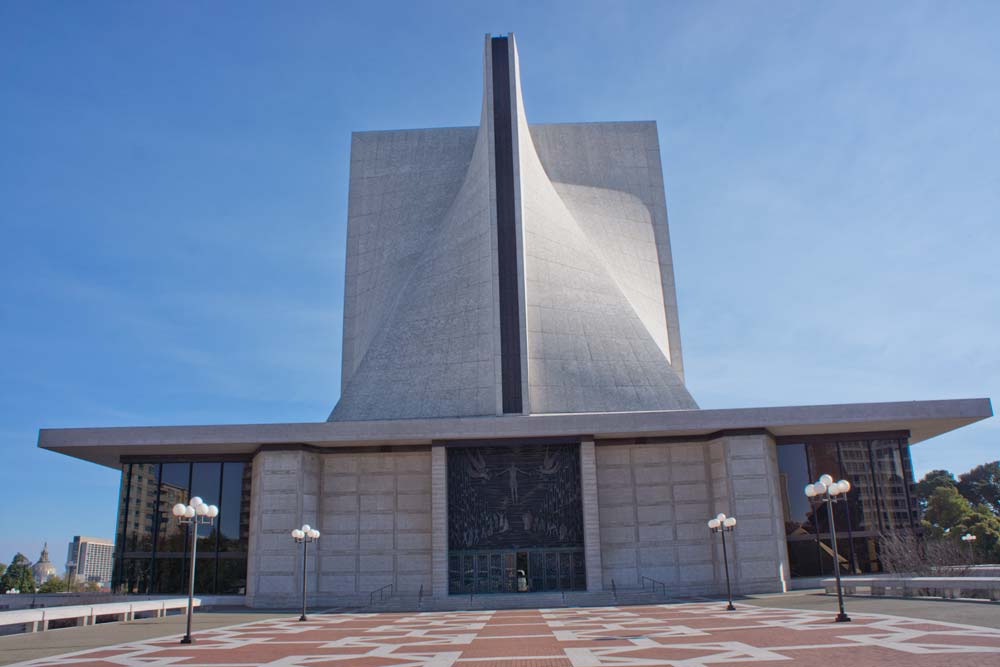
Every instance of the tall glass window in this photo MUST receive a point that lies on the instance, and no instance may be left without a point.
(152, 553)
(880, 501)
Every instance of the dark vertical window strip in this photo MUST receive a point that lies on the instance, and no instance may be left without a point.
(907, 465)
(847, 513)
(218, 527)
(120, 573)
(510, 320)
(812, 477)
(151, 579)
(186, 560)
(876, 481)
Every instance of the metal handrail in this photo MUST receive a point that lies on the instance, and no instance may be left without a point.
(653, 583)
(381, 594)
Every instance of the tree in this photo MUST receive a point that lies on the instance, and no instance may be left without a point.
(985, 525)
(932, 481)
(981, 485)
(53, 585)
(18, 575)
(3, 568)
(946, 508)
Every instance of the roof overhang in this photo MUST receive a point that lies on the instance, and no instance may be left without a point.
(922, 419)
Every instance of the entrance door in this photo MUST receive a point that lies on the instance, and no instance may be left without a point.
(497, 571)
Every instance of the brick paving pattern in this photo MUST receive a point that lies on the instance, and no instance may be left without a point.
(688, 635)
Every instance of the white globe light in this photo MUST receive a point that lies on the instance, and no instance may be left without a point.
(314, 534)
(201, 510)
(834, 489)
(179, 509)
(730, 522)
(213, 511)
(196, 501)
(844, 485)
(306, 528)
(713, 523)
(721, 517)
(295, 533)
(810, 490)
(826, 480)
(820, 488)
(189, 512)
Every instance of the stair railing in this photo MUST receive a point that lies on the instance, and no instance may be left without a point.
(654, 584)
(381, 593)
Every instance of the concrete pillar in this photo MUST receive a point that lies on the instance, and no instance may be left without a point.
(439, 521)
(759, 558)
(285, 495)
(591, 518)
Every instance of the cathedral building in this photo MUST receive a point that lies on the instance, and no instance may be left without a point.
(513, 402)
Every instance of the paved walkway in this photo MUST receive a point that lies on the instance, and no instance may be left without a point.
(21, 647)
(981, 613)
(689, 634)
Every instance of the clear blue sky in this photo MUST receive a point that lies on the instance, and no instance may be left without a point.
(173, 192)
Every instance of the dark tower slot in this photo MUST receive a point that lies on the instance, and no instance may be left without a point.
(510, 311)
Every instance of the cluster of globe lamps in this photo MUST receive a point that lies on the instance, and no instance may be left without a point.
(827, 485)
(825, 490)
(723, 524)
(197, 512)
(970, 539)
(304, 535)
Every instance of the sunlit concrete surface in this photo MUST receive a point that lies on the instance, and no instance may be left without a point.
(691, 634)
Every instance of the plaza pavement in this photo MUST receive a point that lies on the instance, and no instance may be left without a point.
(763, 631)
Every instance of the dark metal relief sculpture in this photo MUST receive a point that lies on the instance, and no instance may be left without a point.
(514, 497)
(515, 519)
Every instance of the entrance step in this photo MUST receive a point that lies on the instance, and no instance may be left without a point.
(491, 601)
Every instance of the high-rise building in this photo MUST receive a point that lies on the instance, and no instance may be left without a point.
(512, 399)
(90, 559)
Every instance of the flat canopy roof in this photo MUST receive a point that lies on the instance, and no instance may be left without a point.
(923, 419)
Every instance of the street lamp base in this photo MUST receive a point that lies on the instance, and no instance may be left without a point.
(843, 618)
(730, 607)
(187, 640)
(302, 617)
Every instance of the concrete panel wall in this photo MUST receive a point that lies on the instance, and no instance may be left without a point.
(376, 522)
(373, 510)
(655, 500)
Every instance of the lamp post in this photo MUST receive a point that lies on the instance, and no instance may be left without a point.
(970, 539)
(305, 535)
(723, 524)
(827, 491)
(194, 514)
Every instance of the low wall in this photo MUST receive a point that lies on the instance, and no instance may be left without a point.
(40, 600)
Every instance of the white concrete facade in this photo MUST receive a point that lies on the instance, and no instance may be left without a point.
(383, 516)
(599, 327)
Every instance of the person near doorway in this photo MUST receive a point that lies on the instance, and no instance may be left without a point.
(522, 582)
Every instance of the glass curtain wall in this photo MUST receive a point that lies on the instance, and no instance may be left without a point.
(152, 551)
(881, 501)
